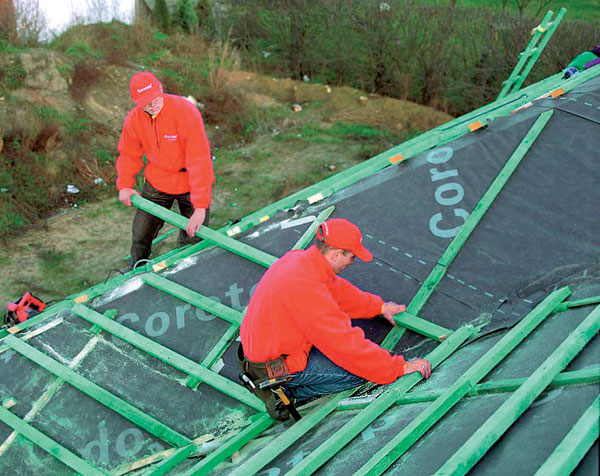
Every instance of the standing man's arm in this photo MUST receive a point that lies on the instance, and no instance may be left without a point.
(199, 164)
(129, 162)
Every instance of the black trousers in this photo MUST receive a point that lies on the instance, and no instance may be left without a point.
(146, 226)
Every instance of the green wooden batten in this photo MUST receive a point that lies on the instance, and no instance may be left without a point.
(564, 379)
(108, 399)
(169, 463)
(571, 450)
(192, 297)
(422, 326)
(309, 234)
(400, 443)
(49, 445)
(484, 438)
(308, 422)
(170, 357)
(350, 430)
(231, 446)
(290, 436)
(438, 272)
(222, 241)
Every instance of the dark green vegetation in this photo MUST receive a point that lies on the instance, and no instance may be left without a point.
(443, 54)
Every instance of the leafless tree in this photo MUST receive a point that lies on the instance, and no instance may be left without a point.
(30, 21)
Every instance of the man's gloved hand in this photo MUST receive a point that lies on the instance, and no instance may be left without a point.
(125, 195)
(390, 309)
(418, 365)
(196, 221)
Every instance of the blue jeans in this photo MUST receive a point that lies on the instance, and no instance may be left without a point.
(321, 377)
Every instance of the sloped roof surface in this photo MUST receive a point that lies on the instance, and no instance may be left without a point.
(491, 235)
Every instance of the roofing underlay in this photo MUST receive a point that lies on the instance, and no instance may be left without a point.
(487, 226)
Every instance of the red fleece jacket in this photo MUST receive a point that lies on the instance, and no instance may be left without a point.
(176, 148)
(300, 302)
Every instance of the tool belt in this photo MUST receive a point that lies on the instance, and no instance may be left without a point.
(264, 379)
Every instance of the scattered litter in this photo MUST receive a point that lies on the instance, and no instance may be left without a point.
(331, 167)
(3, 190)
(305, 78)
(72, 189)
(266, 54)
(297, 107)
(192, 99)
(363, 100)
(98, 180)
(328, 89)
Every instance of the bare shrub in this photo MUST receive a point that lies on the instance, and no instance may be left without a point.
(222, 57)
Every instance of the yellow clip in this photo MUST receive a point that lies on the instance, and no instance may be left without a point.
(80, 299)
(557, 92)
(475, 126)
(265, 218)
(396, 158)
(158, 266)
(13, 330)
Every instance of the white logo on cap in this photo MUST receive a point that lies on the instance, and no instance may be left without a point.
(143, 89)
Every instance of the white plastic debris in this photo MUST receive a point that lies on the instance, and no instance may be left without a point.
(72, 189)
(98, 180)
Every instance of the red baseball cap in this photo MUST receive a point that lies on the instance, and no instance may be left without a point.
(144, 87)
(345, 235)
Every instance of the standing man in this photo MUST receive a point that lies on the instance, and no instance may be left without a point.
(169, 131)
(298, 323)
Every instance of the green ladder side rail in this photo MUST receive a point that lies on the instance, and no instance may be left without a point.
(438, 272)
(300, 428)
(571, 450)
(492, 430)
(192, 297)
(229, 448)
(49, 445)
(564, 379)
(410, 148)
(222, 241)
(410, 434)
(106, 398)
(530, 55)
(170, 357)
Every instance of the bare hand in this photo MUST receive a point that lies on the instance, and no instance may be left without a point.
(418, 365)
(125, 195)
(196, 221)
(390, 309)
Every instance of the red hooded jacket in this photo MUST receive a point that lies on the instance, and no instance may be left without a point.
(176, 148)
(300, 302)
